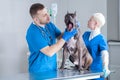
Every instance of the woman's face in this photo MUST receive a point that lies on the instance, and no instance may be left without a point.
(92, 23)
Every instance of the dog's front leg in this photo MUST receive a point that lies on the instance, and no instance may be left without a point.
(65, 54)
(80, 59)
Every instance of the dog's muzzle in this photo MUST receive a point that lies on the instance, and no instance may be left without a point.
(69, 26)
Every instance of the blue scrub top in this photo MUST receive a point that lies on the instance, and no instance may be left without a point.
(95, 46)
(38, 38)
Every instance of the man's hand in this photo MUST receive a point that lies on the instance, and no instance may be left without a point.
(68, 34)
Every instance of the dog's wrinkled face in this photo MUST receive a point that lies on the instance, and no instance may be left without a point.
(70, 20)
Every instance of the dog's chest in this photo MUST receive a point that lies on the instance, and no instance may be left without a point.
(71, 45)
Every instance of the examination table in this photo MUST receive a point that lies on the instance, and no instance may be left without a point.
(65, 74)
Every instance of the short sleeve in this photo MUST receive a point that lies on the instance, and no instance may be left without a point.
(56, 30)
(103, 44)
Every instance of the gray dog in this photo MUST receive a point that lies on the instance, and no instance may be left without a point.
(79, 54)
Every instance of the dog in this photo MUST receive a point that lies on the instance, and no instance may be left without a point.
(75, 47)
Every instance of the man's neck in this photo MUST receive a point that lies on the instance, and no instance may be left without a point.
(38, 24)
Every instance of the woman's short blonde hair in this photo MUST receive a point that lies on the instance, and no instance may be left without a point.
(99, 17)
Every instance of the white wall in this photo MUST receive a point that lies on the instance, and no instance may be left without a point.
(15, 19)
(13, 22)
(84, 9)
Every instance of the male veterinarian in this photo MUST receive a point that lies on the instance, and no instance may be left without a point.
(97, 45)
(41, 38)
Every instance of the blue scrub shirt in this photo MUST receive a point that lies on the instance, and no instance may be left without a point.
(95, 46)
(38, 38)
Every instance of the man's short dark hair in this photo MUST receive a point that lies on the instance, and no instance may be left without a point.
(35, 7)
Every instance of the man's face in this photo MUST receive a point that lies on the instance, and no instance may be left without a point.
(42, 16)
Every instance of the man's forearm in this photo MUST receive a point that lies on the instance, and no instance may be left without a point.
(51, 50)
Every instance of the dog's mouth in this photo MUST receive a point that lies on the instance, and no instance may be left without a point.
(69, 26)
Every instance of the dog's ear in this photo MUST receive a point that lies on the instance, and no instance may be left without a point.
(67, 12)
(75, 13)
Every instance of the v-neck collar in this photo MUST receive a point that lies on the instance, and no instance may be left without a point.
(94, 33)
(93, 38)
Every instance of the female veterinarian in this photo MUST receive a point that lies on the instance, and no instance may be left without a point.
(41, 38)
(97, 45)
